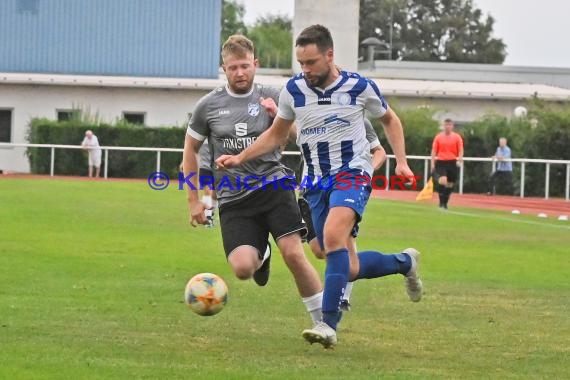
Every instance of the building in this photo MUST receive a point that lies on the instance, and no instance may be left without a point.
(58, 55)
(154, 71)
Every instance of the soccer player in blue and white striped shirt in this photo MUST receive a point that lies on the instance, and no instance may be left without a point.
(328, 105)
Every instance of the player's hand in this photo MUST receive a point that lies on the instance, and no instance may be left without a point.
(269, 105)
(226, 161)
(405, 171)
(197, 214)
(459, 163)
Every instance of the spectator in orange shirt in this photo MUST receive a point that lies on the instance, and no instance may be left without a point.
(446, 157)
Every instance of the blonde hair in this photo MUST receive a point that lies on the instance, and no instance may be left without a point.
(238, 46)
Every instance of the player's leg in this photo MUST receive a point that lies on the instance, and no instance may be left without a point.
(441, 181)
(245, 241)
(451, 172)
(374, 264)
(283, 220)
(206, 178)
(491, 188)
(354, 269)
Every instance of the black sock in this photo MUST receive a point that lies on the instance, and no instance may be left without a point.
(448, 191)
(441, 194)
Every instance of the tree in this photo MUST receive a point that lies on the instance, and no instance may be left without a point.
(232, 19)
(432, 30)
(273, 39)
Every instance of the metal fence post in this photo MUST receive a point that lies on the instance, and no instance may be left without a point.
(567, 182)
(522, 178)
(158, 160)
(52, 161)
(387, 179)
(426, 170)
(547, 181)
(461, 177)
(106, 163)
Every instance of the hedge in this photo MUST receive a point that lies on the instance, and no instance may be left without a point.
(122, 164)
(543, 134)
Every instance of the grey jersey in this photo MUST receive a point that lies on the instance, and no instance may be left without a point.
(231, 123)
(205, 157)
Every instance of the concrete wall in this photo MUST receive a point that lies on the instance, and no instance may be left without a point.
(162, 108)
(170, 107)
(341, 17)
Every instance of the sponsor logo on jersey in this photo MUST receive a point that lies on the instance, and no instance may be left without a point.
(324, 100)
(334, 120)
(253, 109)
(241, 129)
(224, 112)
(342, 98)
(239, 143)
(314, 131)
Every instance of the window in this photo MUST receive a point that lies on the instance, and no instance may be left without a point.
(64, 115)
(134, 117)
(5, 125)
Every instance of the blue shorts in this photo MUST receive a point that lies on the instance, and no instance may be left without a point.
(322, 200)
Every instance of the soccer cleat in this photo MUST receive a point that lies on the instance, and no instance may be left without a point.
(414, 285)
(261, 276)
(345, 305)
(305, 210)
(321, 333)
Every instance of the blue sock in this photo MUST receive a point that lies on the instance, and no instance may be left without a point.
(375, 264)
(336, 276)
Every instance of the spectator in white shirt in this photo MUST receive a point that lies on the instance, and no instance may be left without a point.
(91, 144)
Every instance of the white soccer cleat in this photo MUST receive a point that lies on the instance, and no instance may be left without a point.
(321, 333)
(414, 286)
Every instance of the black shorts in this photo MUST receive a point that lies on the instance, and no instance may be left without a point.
(447, 169)
(250, 220)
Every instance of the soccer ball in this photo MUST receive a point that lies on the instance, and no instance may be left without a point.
(520, 112)
(206, 294)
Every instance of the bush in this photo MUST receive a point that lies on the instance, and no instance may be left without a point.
(123, 164)
(543, 134)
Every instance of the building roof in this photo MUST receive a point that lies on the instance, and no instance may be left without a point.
(390, 87)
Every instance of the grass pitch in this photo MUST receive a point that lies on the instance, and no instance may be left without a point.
(92, 276)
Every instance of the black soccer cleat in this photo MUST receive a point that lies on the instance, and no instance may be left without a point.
(261, 276)
(306, 215)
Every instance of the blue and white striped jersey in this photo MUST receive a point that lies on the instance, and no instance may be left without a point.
(330, 122)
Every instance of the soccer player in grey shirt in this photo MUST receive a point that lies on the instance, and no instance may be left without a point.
(253, 199)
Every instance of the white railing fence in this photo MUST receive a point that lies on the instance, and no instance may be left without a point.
(426, 159)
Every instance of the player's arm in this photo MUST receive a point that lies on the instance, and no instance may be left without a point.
(268, 141)
(461, 151)
(292, 133)
(190, 166)
(395, 136)
(433, 154)
(378, 157)
(196, 133)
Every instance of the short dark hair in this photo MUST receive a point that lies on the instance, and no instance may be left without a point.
(315, 34)
(448, 120)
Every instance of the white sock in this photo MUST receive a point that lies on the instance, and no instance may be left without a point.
(267, 253)
(207, 200)
(348, 291)
(314, 306)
